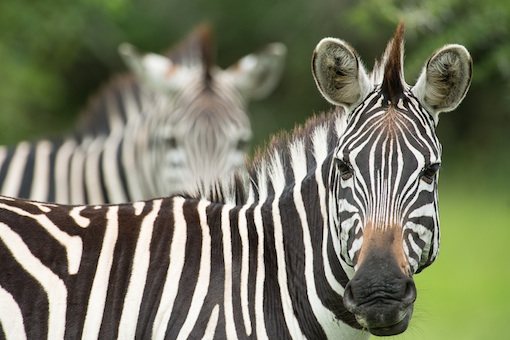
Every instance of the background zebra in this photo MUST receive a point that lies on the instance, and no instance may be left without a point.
(334, 221)
(185, 119)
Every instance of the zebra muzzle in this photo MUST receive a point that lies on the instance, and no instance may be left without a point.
(381, 295)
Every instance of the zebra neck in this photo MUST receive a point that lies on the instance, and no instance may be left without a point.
(117, 102)
(280, 239)
(268, 259)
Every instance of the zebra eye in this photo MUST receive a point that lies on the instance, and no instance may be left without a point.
(171, 143)
(242, 145)
(429, 173)
(344, 169)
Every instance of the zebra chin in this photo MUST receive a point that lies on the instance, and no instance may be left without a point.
(384, 308)
(382, 313)
(385, 320)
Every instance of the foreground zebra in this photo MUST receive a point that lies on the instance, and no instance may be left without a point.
(334, 221)
(185, 119)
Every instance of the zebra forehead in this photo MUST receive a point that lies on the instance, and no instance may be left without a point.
(202, 108)
(392, 121)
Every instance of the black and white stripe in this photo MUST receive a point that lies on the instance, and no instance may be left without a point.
(264, 259)
(86, 166)
(150, 137)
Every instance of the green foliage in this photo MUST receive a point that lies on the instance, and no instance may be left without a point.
(38, 43)
(482, 26)
(53, 55)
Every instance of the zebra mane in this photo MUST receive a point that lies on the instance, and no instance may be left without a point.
(94, 119)
(197, 48)
(252, 182)
(389, 71)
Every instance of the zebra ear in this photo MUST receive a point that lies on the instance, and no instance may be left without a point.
(445, 79)
(256, 75)
(339, 74)
(151, 68)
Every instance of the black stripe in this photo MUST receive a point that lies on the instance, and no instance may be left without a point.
(80, 284)
(122, 267)
(236, 271)
(273, 310)
(162, 235)
(27, 292)
(293, 244)
(55, 146)
(101, 174)
(122, 173)
(215, 295)
(328, 296)
(27, 174)
(6, 163)
(191, 268)
(253, 263)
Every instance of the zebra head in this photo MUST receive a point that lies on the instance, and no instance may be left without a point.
(383, 176)
(196, 124)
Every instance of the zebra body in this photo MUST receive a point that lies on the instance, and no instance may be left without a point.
(321, 241)
(182, 120)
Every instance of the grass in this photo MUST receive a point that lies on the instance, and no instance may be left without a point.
(466, 293)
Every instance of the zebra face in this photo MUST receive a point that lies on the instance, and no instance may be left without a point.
(386, 165)
(200, 137)
(387, 207)
(196, 127)
(383, 178)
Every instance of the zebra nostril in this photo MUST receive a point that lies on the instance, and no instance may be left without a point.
(410, 292)
(348, 298)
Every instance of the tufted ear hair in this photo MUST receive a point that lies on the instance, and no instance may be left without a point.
(257, 74)
(155, 70)
(445, 79)
(339, 73)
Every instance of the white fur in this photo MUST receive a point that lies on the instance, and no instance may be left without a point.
(204, 275)
(11, 318)
(52, 284)
(138, 277)
(177, 254)
(98, 292)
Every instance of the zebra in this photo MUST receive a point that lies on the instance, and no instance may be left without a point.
(320, 238)
(181, 119)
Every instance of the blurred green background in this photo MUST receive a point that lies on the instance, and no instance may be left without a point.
(55, 54)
